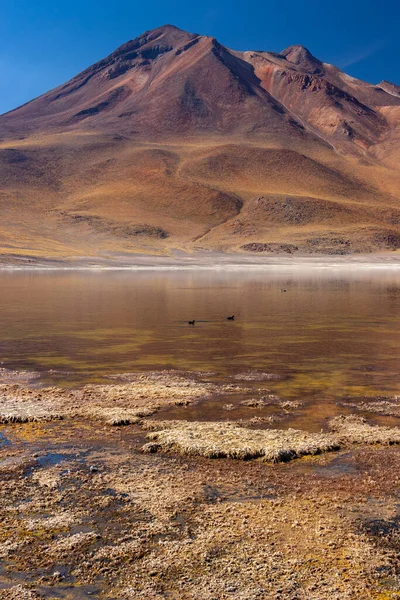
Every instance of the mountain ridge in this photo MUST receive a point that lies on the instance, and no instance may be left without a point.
(168, 142)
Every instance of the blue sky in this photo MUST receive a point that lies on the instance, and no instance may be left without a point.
(46, 42)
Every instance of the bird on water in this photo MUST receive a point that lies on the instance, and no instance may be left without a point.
(191, 322)
(232, 318)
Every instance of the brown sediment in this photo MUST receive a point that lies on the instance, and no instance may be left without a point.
(356, 430)
(271, 399)
(260, 402)
(381, 405)
(83, 508)
(153, 526)
(21, 405)
(115, 404)
(257, 376)
(233, 440)
(260, 420)
(22, 377)
(134, 377)
(71, 543)
(62, 520)
(142, 395)
(19, 592)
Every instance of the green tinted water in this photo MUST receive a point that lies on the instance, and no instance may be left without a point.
(330, 334)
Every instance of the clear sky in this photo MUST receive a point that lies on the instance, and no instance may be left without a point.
(43, 43)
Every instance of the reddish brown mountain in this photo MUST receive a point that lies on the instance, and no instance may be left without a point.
(174, 141)
(166, 82)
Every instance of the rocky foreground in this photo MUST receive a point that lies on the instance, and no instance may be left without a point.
(105, 495)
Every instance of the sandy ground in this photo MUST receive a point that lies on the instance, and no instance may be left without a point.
(206, 261)
(90, 508)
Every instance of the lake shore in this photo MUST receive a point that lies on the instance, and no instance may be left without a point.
(202, 261)
(99, 498)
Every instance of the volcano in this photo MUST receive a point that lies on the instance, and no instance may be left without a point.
(174, 141)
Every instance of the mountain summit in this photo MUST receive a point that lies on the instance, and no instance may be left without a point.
(174, 140)
(168, 82)
(300, 56)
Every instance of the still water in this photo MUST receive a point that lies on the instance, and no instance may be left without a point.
(330, 334)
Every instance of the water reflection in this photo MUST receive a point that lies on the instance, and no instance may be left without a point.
(331, 333)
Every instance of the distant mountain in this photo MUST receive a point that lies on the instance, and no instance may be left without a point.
(174, 141)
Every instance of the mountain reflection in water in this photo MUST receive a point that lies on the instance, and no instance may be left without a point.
(331, 333)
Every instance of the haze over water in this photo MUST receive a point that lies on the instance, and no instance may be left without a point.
(329, 334)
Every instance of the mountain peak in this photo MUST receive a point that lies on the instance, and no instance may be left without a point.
(167, 28)
(168, 33)
(175, 141)
(302, 57)
(389, 87)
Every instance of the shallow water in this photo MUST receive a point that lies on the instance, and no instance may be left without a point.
(332, 333)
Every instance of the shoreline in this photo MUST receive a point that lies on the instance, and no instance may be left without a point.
(204, 261)
(186, 508)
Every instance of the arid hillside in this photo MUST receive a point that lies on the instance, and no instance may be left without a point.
(174, 142)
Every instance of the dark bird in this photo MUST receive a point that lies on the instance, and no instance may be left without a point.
(282, 290)
(232, 318)
(191, 322)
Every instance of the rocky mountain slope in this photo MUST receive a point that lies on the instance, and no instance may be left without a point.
(176, 142)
